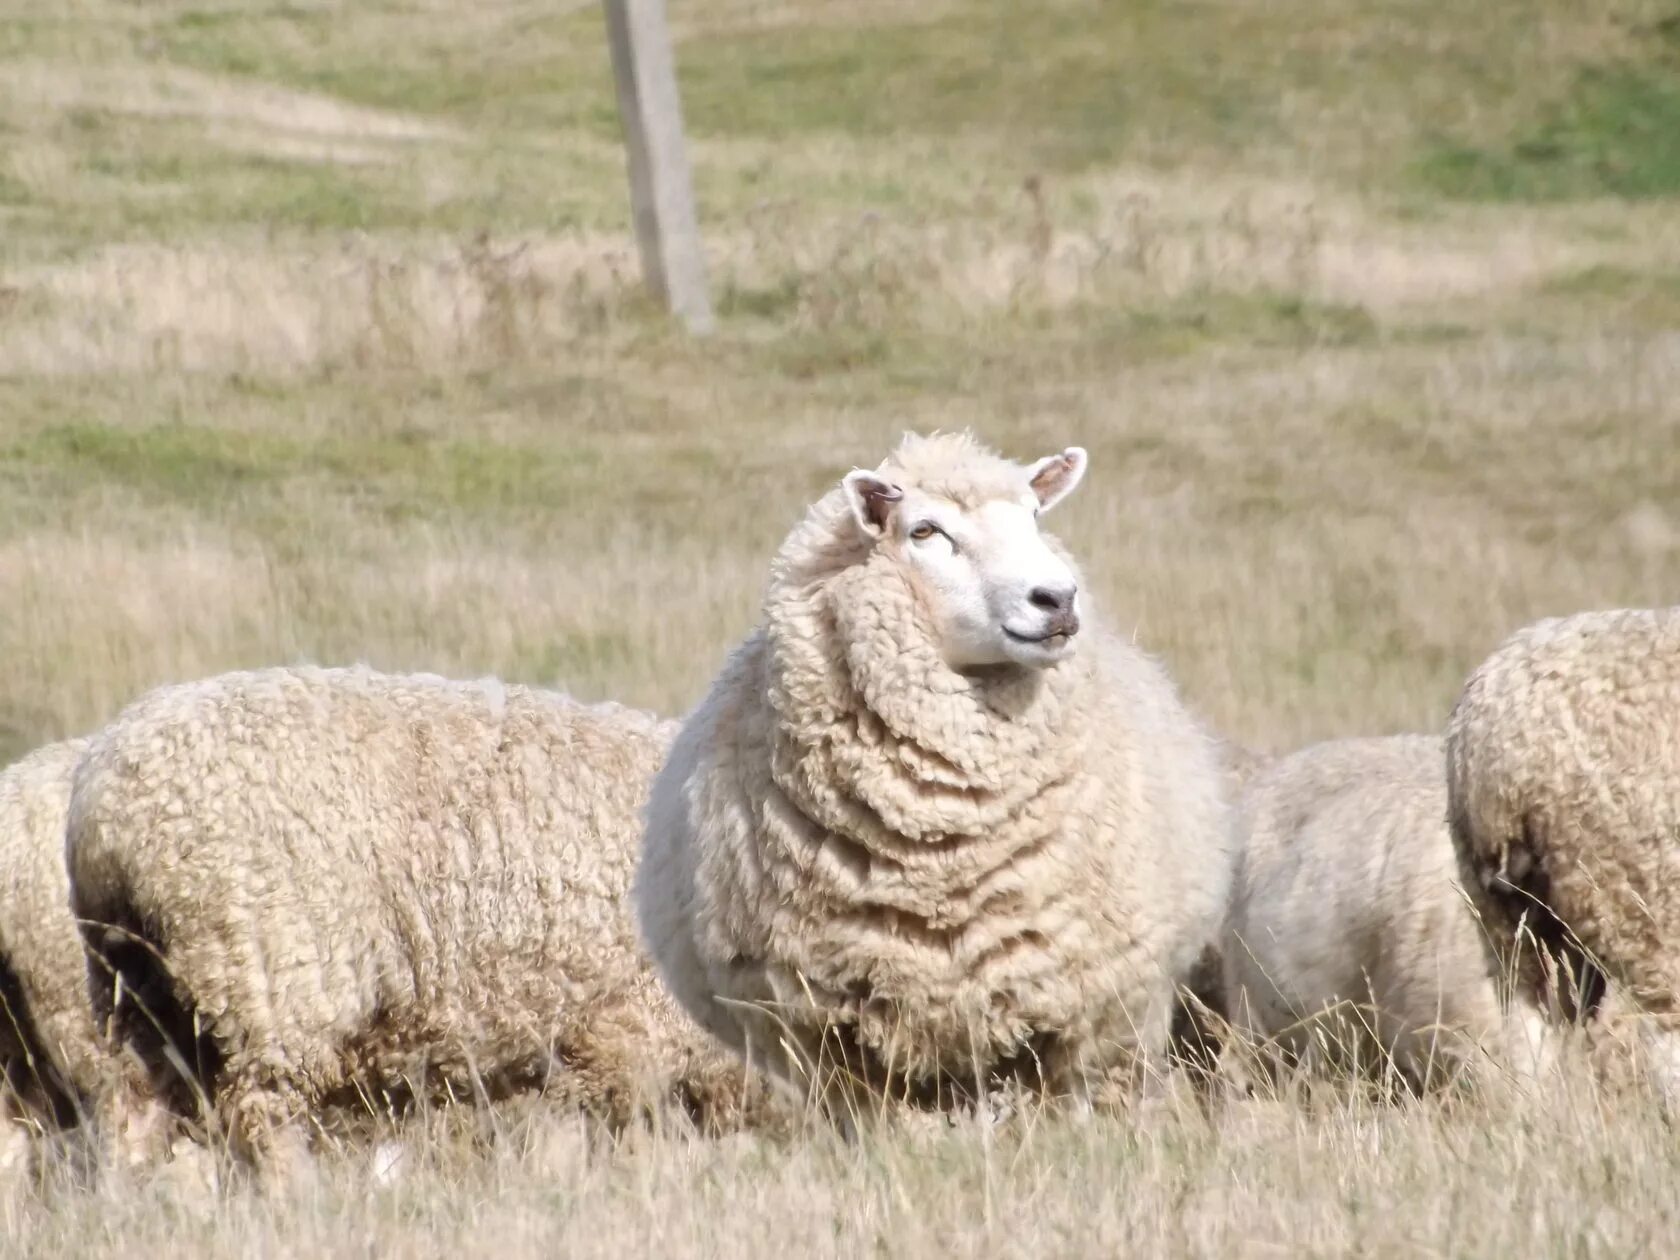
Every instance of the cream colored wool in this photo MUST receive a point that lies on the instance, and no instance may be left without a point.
(1349, 938)
(1198, 1029)
(49, 1053)
(951, 871)
(362, 881)
(1564, 779)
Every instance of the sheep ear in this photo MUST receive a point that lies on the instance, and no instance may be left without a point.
(1054, 477)
(872, 501)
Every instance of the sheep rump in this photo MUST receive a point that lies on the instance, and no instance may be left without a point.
(864, 867)
(1564, 783)
(1349, 941)
(360, 883)
(49, 1052)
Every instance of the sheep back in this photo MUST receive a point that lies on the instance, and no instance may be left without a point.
(364, 881)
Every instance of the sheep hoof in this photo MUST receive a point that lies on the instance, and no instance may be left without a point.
(387, 1165)
(16, 1147)
(192, 1167)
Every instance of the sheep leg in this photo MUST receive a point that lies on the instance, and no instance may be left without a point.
(1248, 1055)
(1529, 1044)
(1118, 1063)
(17, 1147)
(264, 1115)
(1074, 1078)
(1647, 1027)
(803, 1066)
(1660, 1049)
(829, 1085)
(133, 1125)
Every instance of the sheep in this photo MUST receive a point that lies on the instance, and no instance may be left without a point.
(324, 885)
(1563, 756)
(49, 1053)
(1203, 1013)
(1348, 933)
(932, 829)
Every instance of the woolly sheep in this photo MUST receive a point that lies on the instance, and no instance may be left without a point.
(1348, 933)
(1564, 783)
(913, 841)
(1203, 1013)
(49, 1053)
(359, 882)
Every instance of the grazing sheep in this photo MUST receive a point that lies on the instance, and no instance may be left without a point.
(920, 836)
(333, 884)
(49, 1053)
(1563, 757)
(1349, 939)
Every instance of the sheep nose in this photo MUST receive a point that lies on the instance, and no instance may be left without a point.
(1052, 599)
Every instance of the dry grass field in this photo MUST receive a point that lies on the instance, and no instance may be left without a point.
(320, 339)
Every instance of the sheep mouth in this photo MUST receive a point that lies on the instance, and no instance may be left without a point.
(1050, 638)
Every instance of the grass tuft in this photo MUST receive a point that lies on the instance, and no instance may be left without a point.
(1616, 134)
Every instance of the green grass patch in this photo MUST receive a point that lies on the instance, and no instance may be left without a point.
(569, 654)
(1095, 332)
(908, 356)
(13, 191)
(171, 461)
(1256, 319)
(494, 67)
(162, 178)
(405, 473)
(1055, 87)
(1093, 73)
(256, 477)
(1651, 298)
(1617, 134)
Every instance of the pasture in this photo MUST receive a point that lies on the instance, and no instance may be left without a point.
(320, 339)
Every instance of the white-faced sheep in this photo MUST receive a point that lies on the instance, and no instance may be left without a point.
(331, 884)
(921, 833)
(49, 1054)
(1564, 779)
(1349, 940)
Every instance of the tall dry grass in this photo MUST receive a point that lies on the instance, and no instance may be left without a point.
(1571, 1171)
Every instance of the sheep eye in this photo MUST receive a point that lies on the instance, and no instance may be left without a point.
(923, 532)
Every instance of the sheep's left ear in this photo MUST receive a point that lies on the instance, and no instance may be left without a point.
(1054, 477)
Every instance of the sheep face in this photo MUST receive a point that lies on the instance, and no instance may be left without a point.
(995, 592)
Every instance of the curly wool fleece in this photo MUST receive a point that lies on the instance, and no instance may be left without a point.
(1563, 757)
(364, 882)
(49, 1053)
(952, 871)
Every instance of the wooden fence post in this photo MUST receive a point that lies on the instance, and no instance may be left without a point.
(661, 192)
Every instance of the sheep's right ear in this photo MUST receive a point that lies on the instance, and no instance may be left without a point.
(872, 500)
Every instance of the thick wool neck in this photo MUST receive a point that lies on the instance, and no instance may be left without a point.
(874, 736)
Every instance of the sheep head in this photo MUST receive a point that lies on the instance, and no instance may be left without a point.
(962, 526)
